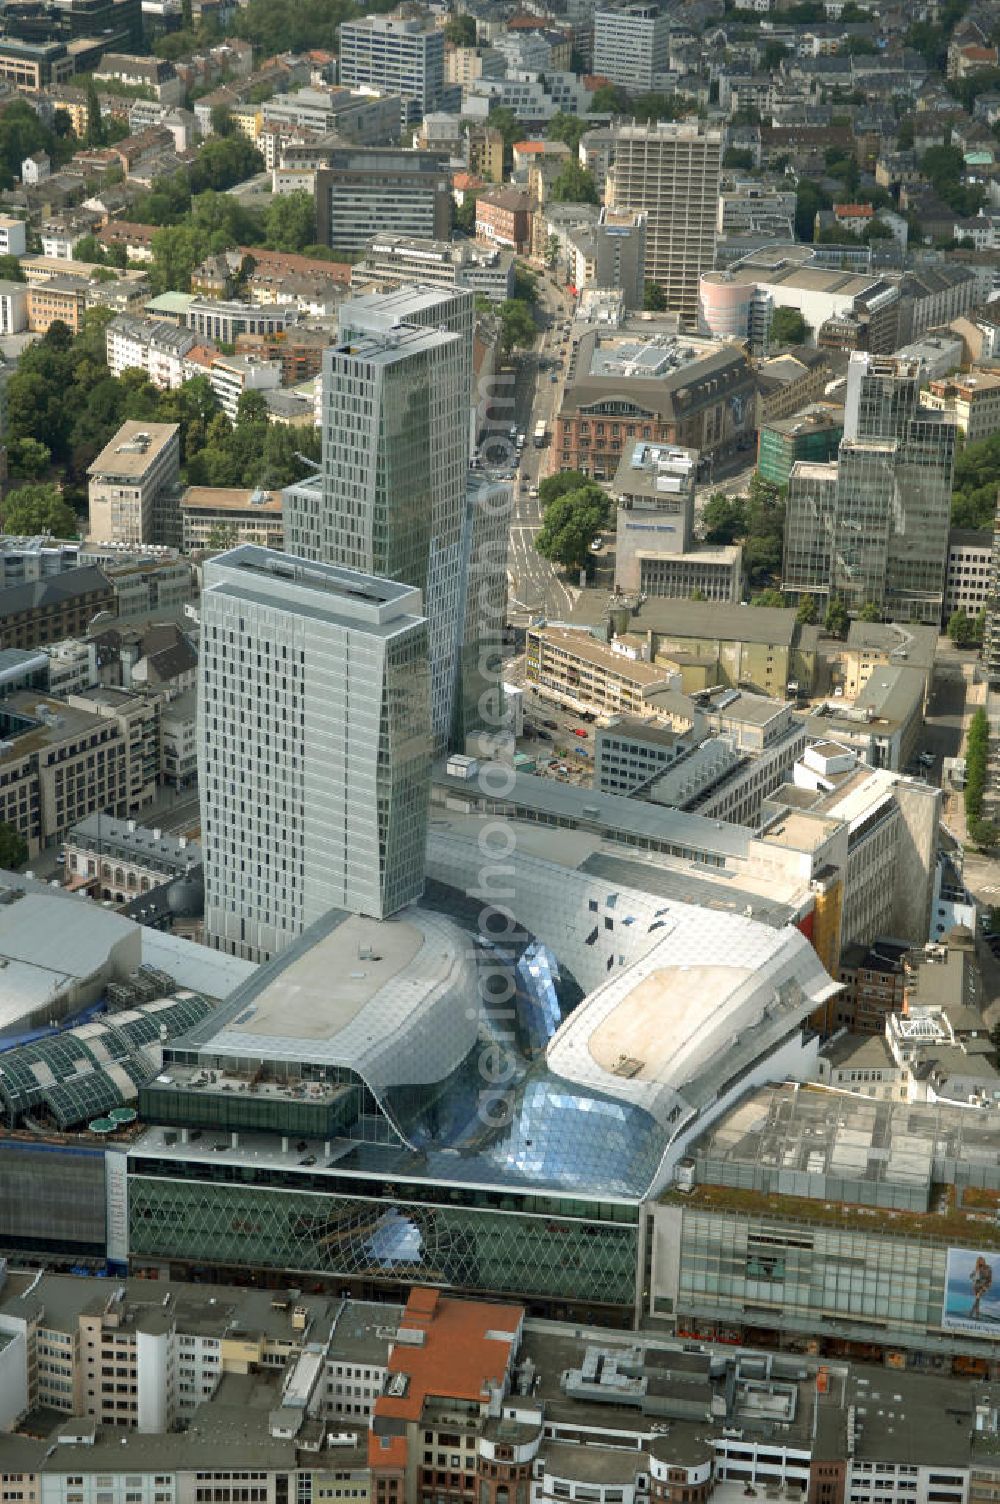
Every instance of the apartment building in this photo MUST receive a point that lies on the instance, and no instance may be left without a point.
(58, 765)
(365, 192)
(585, 674)
(13, 236)
(151, 345)
(132, 484)
(48, 608)
(503, 218)
(670, 172)
(137, 717)
(230, 376)
(217, 517)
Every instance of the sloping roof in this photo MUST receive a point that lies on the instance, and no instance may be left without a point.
(36, 595)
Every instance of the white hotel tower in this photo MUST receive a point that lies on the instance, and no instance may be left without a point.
(313, 746)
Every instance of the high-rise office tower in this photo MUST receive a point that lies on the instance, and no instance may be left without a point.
(364, 191)
(391, 494)
(395, 56)
(873, 529)
(631, 45)
(670, 172)
(313, 746)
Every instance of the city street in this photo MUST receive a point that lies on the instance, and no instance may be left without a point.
(536, 588)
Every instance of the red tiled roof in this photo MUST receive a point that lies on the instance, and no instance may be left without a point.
(853, 211)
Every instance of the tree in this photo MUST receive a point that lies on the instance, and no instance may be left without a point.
(985, 834)
(737, 156)
(807, 613)
(809, 199)
(960, 629)
(974, 487)
(38, 509)
(10, 269)
(609, 99)
(187, 16)
(13, 848)
(559, 484)
(654, 299)
(769, 597)
(697, 595)
(573, 184)
(772, 55)
(869, 612)
(836, 621)
(461, 31)
(290, 222)
(723, 518)
(571, 522)
(29, 457)
(788, 327)
(221, 120)
(517, 327)
(177, 250)
(566, 128)
(96, 133)
(551, 251)
(525, 284)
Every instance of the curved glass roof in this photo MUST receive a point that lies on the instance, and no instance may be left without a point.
(85, 1071)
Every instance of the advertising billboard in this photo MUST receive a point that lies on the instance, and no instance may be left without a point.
(972, 1292)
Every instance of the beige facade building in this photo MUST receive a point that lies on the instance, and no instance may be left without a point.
(972, 403)
(217, 517)
(60, 764)
(583, 672)
(670, 172)
(132, 482)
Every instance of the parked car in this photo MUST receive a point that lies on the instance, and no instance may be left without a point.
(552, 725)
(579, 731)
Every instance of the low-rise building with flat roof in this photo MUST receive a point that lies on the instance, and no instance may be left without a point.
(583, 673)
(218, 517)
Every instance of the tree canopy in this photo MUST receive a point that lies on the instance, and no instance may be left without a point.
(573, 184)
(461, 31)
(13, 848)
(974, 488)
(34, 509)
(571, 522)
(517, 327)
(788, 327)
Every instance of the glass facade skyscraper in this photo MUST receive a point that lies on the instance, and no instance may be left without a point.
(873, 529)
(392, 496)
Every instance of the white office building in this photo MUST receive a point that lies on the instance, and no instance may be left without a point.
(395, 57)
(313, 746)
(631, 45)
